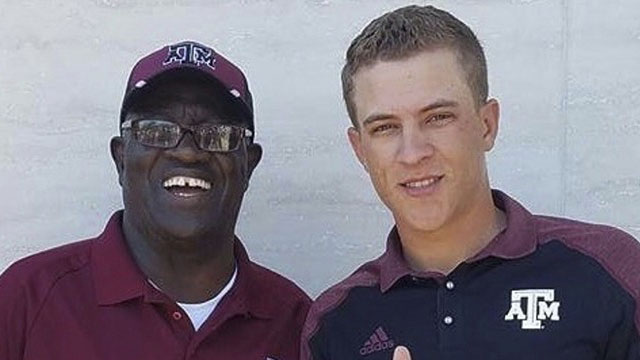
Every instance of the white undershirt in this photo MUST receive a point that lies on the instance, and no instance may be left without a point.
(198, 313)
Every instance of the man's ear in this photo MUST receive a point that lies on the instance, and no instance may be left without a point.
(117, 154)
(254, 155)
(490, 117)
(356, 144)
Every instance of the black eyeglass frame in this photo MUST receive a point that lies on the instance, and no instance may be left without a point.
(128, 125)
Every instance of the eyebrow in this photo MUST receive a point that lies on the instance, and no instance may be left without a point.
(434, 105)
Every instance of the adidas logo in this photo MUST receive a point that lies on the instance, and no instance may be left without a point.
(377, 342)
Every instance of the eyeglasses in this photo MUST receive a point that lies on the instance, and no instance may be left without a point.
(167, 134)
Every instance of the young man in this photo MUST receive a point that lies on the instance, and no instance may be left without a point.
(468, 272)
(167, 279)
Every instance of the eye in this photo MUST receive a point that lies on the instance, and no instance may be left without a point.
(157, 132)
(383, 128)
(439, 119)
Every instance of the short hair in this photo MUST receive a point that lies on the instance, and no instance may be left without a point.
(408, 31)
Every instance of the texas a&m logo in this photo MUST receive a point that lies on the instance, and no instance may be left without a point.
(531, 306)
(190, 53)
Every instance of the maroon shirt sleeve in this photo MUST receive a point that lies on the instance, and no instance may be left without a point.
(615, 250)
(619, 254)
(13, 317)
(24, 289)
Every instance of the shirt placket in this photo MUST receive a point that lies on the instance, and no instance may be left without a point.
(230, 309)
(176, 318)
(448, 313)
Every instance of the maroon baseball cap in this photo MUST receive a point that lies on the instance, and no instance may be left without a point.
(197, 59)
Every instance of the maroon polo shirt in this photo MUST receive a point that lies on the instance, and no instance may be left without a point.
(89, 300)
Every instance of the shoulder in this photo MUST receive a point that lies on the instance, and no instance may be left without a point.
(49, 265)
(551, 226)
(615, 250)
(366, 275)
(27, 284)
(601, 242)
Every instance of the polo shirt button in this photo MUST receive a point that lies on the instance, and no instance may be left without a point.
(450, 285)
(448, 320)
(177, 315)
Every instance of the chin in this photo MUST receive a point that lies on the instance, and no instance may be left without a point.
(429, 219)
(424, 225)
(183, 226)
(183, 232)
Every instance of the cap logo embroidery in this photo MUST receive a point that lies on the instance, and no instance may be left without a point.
(192, 54)
(540, 305)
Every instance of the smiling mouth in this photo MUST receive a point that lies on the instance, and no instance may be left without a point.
(186, 186)
(421, 186)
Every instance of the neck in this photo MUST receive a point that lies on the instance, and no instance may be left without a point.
(189, 270)
(442, 250)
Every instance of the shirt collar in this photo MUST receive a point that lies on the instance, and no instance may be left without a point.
(247, 295)
(117, 278)
(518, 239)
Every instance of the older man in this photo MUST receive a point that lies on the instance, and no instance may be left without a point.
(468, 272)
(167, 279)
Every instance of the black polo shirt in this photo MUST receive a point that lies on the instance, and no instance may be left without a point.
(544, 288)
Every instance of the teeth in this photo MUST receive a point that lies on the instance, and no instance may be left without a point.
(423, 183)
(186, 181)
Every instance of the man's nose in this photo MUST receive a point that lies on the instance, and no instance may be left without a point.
(187, 149)
(414, 146)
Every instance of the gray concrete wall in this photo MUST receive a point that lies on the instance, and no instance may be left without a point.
(566, 72)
